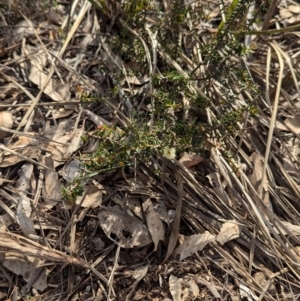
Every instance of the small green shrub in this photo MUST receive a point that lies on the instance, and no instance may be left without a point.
(161, 128)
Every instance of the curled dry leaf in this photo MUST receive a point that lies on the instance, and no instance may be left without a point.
(23, 147)
(70, 142)
(25, 222)
(295, 9)
(183, 289)
(190, 159)
(229, 231)
(293, 229)
(256, 176)
(293, 124)
(124, 230)
(76, 142)
(285, 13)
(52, 187)
(154, 223)
(24, 207)
(192, 244)
(93, 197)
(55, 90)
(6, 121)
(290, 14)
(134, 204)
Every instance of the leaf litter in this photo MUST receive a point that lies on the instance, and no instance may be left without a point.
(178, 235)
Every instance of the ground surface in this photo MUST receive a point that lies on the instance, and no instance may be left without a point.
(149, 151)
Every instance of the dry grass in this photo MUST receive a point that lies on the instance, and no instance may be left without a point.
(87, 86)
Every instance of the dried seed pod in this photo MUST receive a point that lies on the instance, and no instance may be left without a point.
(6, 121)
